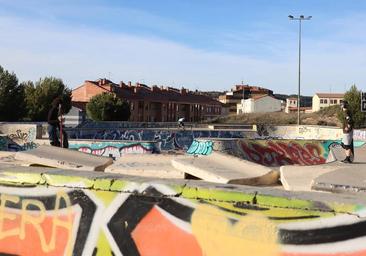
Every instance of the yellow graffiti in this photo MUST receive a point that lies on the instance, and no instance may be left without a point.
(28, 217)
(250, 235)
(7, 216)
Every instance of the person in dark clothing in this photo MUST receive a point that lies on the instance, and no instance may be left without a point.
(54, 123)
(347, 140)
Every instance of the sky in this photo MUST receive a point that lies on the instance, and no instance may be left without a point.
(196, 44)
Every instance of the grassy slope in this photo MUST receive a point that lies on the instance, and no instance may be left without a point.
(327, 116)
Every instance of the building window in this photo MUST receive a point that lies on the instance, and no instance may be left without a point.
(321, 101)
(325, 101)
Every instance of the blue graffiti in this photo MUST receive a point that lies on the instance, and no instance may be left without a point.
(200, 148)
(168, 139)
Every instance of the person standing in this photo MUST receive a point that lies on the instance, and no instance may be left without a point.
(347, 140)
(54, 122)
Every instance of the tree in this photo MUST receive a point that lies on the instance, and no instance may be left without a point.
(107, 107)
(12, 98)
(353, 97)
(40, 95)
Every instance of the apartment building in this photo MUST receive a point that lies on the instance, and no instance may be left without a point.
(322, 100)
(152, 104)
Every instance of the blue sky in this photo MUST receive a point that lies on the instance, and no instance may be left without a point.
(197, 44)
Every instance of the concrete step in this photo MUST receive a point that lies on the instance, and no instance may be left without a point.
(146, 165)
(63, 158)
(223, 168)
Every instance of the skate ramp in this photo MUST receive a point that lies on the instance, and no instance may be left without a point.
(349, 178)
(149, 165)
(63, 158)
(223, 168)
(271, 152)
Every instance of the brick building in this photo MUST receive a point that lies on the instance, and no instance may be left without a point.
(240, 92)
(152, 104)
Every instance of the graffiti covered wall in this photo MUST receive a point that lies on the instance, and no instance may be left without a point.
(50, 213)
(18, 137)
(268, 152)
(114, 149)
(167, 139)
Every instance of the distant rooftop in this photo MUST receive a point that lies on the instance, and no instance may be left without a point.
(330, 95)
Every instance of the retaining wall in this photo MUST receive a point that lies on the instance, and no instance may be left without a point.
(269, 152)
(54, 212)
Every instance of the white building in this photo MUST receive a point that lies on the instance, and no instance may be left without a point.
(322, 100)
(75, 117)
(259, 104)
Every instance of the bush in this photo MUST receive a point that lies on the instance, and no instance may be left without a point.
(107, 107)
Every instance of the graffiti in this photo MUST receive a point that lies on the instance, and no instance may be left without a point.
(72, 215)
(19, 140)
(6, 144)
(53, 224)
(278, 153)
(167, 139)
(200, 148)
(3, 143)
(19, 135)
(115, 149)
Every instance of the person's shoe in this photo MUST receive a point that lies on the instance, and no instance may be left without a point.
(347, 160)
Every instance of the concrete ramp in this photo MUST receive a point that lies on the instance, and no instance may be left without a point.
(147, 165)
(63, 158)
(360, 152)
(222, 168)
(8, 158)
(300, 178)
(274, 152)
(349, 178)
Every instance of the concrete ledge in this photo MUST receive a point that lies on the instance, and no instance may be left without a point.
(63, 158)
(151, 165)
(222, 168)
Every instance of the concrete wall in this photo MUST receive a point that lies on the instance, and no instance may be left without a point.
(268, 152)
(68, 213)
(114, 149)
(19, 136)
(309, 132)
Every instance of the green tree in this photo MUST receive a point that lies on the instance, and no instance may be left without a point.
(353, 97)
(40, 95)
(12, 97)
(107, 107)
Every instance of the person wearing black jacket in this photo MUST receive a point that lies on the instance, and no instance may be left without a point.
(54, 122)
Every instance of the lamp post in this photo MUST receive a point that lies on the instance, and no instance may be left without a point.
(300, 19)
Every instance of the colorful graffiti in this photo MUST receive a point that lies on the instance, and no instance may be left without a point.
(283, 152)
(115, 149)
(200, 148)
(7, 144)
(166, 139)
(51, 214)
(272, 152)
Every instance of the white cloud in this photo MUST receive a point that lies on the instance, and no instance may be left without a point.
(33, 49)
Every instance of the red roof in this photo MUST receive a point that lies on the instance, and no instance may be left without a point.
(155, 93)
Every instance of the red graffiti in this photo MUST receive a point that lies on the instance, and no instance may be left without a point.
(275, 153)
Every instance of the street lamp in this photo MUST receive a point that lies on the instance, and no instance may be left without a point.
(300, 19)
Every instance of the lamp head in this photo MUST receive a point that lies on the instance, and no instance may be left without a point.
(290, 17)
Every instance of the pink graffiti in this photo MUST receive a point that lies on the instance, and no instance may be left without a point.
(115, 151)
(274, 153)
